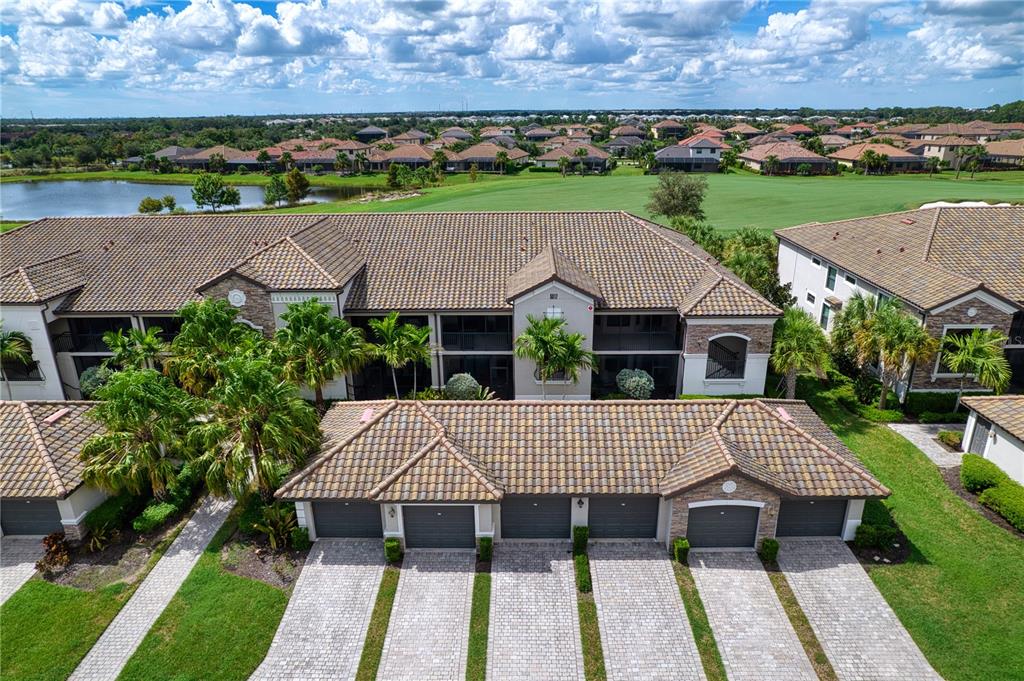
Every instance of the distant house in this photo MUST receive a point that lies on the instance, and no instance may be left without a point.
(456, 133)
(898, 159)
(350, 148)
(831, 142)
(742, 131)
(492, 131)
(855, 129)
(620, 146)
(201, 158)
(789, 156)
(908, 130)
(485, 155)
(799, 130)
(538, 134)
(701, 153)
(504, 140)
(627, 131)
(371, 133)
(827, 122)
(409, 155)
(669, 128)
(1005, 152)
(596, 160)
(995, 431)
(978, 131)
(771, 138)
(171, 153)
(413, 136)
(945, 148)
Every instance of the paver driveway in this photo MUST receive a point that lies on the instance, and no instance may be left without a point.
(429, 629)
(859, 632)
(534, 632)
(754, 636)
(18, 556)
(645, 633)
(322, 632)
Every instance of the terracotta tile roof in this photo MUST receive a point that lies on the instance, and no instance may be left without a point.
(743, 129)
(926, 257)
(718, 295)
(1006, 411)
(955, 129)
(771, 138)
(413, 134)
(855, 151)
(539, 132)
(457, 133)
(43, 280)
(40, 442)
(227, 152)
(627, 131)
(1006, 148)
(624, 141)
(668, 123)
(569, 149)
(951, 141)
(552, 265)
(834, 141)
(478, 451)
(906, 127)
(786, 152)
(703, 139)
(799, 129)
(157, 263)
(488, 151)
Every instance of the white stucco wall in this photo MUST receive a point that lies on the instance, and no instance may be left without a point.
(579, 515)
(30, 320)
(854, 514)
(1001, 448)
(578, 312)
(78, 503)
(752, 383)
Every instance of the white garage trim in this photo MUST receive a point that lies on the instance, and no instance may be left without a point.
(854, 513)
(725, 502)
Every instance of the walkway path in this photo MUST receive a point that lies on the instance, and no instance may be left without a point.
(859, 632)
(754, 635)
(534, 632)
(645, 633)
(322, 633)
(429, 629)
(18, 556)
(922, 435)
(119, 641)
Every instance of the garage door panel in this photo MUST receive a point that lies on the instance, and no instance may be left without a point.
(811, 518)
(536, 517)
(352, 519)
(439, 527)
(30, 517)
(623, 517)
(722, 526)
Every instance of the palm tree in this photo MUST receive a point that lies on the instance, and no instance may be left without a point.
(136, 349)
(563, 165)
(263, 158)
(539, 343)
(897, 340)
(980, 353)
(209, 334)
(342, 161)
(501, 160)
(572, 356)
(581, 154)
(417, 348)
(933, 163)
(799, 345)
(392, 344)
(287, 160)
(146, 418)
(770, 164)
(15, 347)
(258, 429)
(361, 162)
(854, 314)
(316, 346)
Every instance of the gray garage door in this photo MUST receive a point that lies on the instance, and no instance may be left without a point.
(620, 517)
(347, 519)
(722, 526)
(439, 527)
(818, 518)
(536, 517)
(40, 516)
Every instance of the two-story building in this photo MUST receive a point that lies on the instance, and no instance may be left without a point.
(700, 152)
(643, 296)
(957, 269)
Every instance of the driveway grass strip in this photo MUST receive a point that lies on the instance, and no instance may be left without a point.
(802, 627)
(590, 630)
(48, 628)
(479, 621)
(373, 647)
(959, 593)
(218, 626)
(710, 658)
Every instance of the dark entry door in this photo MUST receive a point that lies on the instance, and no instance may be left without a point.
(536, 517)
(722, 526)
(623, 517)
(439, 527)
(816, 518)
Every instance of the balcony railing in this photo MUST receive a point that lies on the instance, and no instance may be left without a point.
(485, 340)
(724, 363)
(639, 341)
(79, 342)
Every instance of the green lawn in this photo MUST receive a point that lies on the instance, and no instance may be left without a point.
(217, 627)
(961, 594)
(7, 225)
(479, 622)
(373, 646)
(710, 657)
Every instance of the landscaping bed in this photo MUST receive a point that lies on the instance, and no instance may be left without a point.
(952, 478)
(253, 558)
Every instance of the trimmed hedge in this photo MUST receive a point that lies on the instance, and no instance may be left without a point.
(299, 539)
(951, 438)
(485, 550)
(680, 549)
(917, 403)
(392, 550)
(580, 537)
(154, 515)
(115, 512)
(943, 417)
(1006, 499)
(769, 550)
(978, 474)
(876, 415)
(582, 565)
(866, 537)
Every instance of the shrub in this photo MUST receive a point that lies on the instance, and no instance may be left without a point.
(877, 415)
(154, 515)
(392, 550)
(114, 513)
(299, 539)
(680, 549)
(845, 396)
(919, 402)
(92, 379)
(462, 387)
(886, 536)
(867, 387)
(582, 565)
(769, 550)
(57, 553)
(485, 550)
(1006, 499)
(950, 438)
(637, 384)
(978, 474)
(866, 537)
(943, 417)
(580, 536)
(277, 522)
(101, 538)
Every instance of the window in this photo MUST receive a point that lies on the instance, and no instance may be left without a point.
(491, 371)
(553, 312)
(817, 263)
(727, 358)
(662, 369)
(850, 280)
(810, 298)
(476, 332)
(830, 278)
(16, 371)
(826, 313)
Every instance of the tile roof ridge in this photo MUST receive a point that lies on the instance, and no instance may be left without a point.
(28, 283)
(716, 433)
(44, 261)
(931, 235)
(320, 460)
(43, 451)
(823, 447)
(707, 291)
(312, 261)
(394, 475)
(475, 468)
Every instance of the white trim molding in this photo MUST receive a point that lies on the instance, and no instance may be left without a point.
(725, 502)
(983, 296)
(715, 321)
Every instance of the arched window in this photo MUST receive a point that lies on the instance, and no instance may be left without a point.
(727, 357)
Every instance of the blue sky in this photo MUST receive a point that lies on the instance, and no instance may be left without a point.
(205, 57)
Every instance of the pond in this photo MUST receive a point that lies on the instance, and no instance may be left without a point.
(32, 200)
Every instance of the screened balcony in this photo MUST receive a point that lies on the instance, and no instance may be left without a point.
(477, 333)
(637, 333)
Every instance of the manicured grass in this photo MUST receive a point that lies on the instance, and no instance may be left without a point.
(706, 645)
(960, 593)
(218, 626)
(479, 621)
(373, 647)
(48, 629)
(804, 632)
(733, 200)
(7, 225)
(590, 630)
